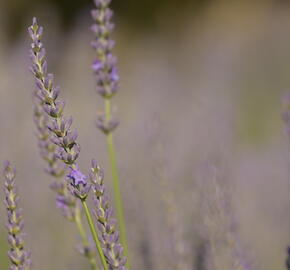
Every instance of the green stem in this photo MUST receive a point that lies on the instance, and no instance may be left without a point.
(116, 185)
(83, 235)
(94, 234)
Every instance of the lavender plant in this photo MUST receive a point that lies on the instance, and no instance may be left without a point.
(18, 255)
(66, 149)
(67, 203)
(107, 78)
(60, 150)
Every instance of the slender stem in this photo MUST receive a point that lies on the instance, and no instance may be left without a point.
(94, 234)
(83, 234)
(116, 184)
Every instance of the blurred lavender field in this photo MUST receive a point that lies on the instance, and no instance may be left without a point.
(200, 107)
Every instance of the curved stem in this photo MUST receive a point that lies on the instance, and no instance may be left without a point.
(116, 184)
(94, 234)
(83, 234)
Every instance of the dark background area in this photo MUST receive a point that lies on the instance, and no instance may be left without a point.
(140, 13)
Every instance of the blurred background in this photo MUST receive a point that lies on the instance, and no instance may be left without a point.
(202, 153)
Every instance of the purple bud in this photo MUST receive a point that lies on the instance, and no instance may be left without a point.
(97, 65)
(77, 177)
(79, 184)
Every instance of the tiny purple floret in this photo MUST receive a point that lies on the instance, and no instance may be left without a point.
(97, 65)
(77, 177)
(114, 74)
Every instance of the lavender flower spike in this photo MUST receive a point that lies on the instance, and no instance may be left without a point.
(105, 64)
(57, 141)
(109, 236)
(59, 126)
(52, 128)
(107, 79)
(19, 257)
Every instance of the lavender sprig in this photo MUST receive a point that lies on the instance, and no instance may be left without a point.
(19, 257)
(60, 127)
(105, 64)
(113, 250)
(68, 149)
(107, 79)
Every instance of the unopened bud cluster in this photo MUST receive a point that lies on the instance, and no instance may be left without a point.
(106, 224)
(19, 257)
(60, 126)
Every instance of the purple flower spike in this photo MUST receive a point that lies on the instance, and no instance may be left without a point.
(56, 141)
(59, 127)
(106, 224)
(19, 257)
(105, 65)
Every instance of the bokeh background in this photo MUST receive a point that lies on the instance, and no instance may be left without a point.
(203, 157)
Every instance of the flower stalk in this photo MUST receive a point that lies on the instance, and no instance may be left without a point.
(94, 234)
(107, 79)
(86, 250)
